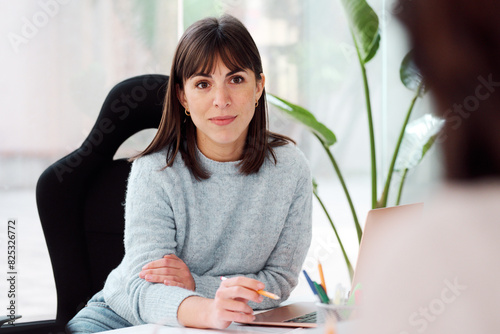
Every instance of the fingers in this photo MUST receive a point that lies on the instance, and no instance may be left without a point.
(165, 276)
(174, 283)
(159, 275)
(232, 297)
(170, 270)
(167, 280)
(160, 272)
(233, 310)
(226, 317)
(170, 261)
(241, 287)
(249, 283)
(244, 282)
(240, 293)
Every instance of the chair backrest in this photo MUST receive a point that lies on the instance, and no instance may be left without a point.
(80, 197)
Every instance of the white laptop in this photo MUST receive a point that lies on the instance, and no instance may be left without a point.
(382, 228)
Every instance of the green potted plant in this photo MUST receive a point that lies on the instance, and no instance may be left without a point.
(415, 137)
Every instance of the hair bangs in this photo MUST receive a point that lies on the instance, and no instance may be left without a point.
(204, 56)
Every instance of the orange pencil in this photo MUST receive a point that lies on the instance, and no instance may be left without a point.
(321, 276)
(260, 292)
(268, 294)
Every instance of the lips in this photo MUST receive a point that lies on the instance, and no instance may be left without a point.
(222, 120)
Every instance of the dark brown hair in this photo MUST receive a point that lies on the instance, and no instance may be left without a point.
(200, 47)
(457, 48)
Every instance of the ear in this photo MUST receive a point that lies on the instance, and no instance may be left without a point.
(181, 96)
(260, 85)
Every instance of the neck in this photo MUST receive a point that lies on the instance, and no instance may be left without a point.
(221, 152)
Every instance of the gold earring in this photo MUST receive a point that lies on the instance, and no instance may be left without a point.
(257, 104)
(187, 112)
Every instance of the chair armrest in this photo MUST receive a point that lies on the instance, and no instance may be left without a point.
(36, 327)
(5, 319)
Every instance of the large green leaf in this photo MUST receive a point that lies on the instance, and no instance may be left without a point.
(364, 25)
(410, 74)
(302, 115)
(418, 139)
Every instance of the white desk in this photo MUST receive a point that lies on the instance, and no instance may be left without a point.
(232, 329)
(342, 328)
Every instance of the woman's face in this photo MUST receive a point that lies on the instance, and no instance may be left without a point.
(222, 104)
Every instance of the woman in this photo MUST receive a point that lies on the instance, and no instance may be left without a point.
(443, 277)
(215, 194)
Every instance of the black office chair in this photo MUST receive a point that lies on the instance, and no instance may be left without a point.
(80, 199)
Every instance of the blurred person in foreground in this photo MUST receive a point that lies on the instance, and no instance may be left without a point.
(444, 275)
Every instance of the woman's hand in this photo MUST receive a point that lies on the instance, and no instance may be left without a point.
(230, 304)
(170, 270)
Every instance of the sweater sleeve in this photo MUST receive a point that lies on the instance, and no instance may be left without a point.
(149, 235)
(282, 269)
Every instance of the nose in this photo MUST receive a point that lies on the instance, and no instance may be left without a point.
(222, 98)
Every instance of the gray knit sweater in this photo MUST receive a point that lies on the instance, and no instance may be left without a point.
(258, 226)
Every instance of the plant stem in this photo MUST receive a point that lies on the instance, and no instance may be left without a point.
(346, 258)
(344, 186)
(373, 157)
(385, 194)
(403, 178)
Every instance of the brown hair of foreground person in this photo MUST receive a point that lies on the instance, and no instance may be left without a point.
(457, 48)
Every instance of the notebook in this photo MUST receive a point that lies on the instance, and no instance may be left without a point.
(383, 226)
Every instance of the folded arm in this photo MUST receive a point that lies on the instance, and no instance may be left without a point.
(149, 234)
(280, 273)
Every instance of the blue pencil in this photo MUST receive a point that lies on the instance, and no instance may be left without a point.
(311, 284)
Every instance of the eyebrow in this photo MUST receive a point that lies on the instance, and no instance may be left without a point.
(206, 75)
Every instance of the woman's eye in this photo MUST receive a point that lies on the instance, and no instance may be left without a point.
(202, 85)
(237, 80)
